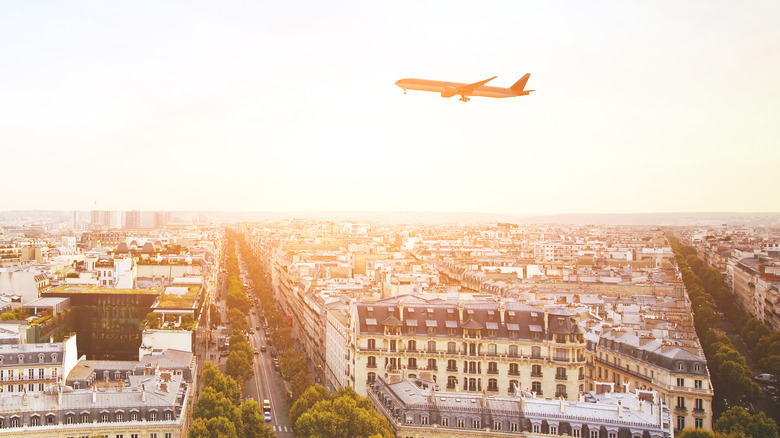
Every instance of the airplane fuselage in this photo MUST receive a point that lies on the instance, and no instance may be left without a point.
(443, 87)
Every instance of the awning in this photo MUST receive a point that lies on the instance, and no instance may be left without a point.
(535, 328)
(451, 324)
(491, 325)
(431, 323)
(411, 323)
(513, 327)
(370, 321)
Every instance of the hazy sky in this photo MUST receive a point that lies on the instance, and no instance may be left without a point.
(653, 106)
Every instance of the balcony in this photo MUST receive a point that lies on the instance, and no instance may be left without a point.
(514, 373)
(559, 394)
(680, 409)
(492, 371)
(452, 369)
(371, 365)
(560, 377)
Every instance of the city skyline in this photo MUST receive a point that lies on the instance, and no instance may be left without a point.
(640, 108)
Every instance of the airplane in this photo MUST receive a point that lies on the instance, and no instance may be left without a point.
(449, 89)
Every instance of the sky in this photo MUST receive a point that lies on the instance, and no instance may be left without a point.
(640, 106)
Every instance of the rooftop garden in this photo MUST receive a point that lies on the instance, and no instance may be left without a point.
(91, 289)
(175, 301)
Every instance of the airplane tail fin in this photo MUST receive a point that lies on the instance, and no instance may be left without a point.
(519, 87)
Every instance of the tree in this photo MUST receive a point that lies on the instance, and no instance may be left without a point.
(211, 427)
(695, 433)
(342, 417)
(299, 383)
(226, 385)
(292, 363)
(305, 401)
(253, 423)
(214, 313)
(239, 366)
(237, 319)
(212, 404)
(738, 419)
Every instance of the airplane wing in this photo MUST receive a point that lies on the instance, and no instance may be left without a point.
(468, 89)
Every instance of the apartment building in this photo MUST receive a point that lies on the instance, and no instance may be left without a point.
(470, 345)
(676, 369)
(35, 368)
(420, 411)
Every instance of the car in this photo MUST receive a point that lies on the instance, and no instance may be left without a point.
(251, 332)
(262, 348)
(257, 351)
(266, 405)
(267, 416)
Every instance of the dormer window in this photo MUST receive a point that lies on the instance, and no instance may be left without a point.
(40, 358)
(21, 358)
(54, 357)
(680, 366)
(697, 367)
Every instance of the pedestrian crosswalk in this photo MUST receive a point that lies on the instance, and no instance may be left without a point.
(278, 428)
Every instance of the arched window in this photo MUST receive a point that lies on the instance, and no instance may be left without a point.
(492, 385)
(412, 345)
(514, 385)
(513, 350)
(536, 352)
(536, 387)
(54, 357)
(21, 358)
(372, 344)
(40, 357)
(35, 420)
(452, 347)
(431, 346)
(371, 377)
(560, 391)
(536, 370)
(452, 381)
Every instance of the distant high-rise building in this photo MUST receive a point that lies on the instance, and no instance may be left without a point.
(133, 219)
(161, 218)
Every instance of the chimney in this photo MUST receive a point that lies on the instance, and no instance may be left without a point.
(94, 393)
(544, 321)
(460, 312)
(25, 399)
(401, 312)
(562, 405)
(143, 392)
(59, 395)
(484, 398)
(620, 409)
(501, 311)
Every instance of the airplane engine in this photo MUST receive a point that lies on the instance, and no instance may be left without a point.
(449, 92)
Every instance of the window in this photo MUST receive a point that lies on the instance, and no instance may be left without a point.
(153, 435)
(40, 373)
(104, 417)
(168, 435)
(536, 428)
(577, 433)
(496, 425)
(152, 416)
(461, 422)
(451, 382)
(85, 418)
(119, 416)
(371, 362)
(69, 419)
(412, 345)
(536, 370)
(594, 434)
(445, 421)
(681, 402)
(680, 422)
(514, 385)
(452, 347)
(168, 415)
(612, 434)
(476, 423)
(133, 416)
(560, 391)
(35, 420)
(680, 366)
(424, 419)
(431, 346)
(432, 364)
(536, 352)
(697, 367)
(54, 372)
(680, 381)
(513, 427)
(536, 387)
(492, 368)
(513, 350)
(372, 344)
(699, 423)
(560, 373)
(371, 377)
(31, 373)
(492, 349)
(514, 369)
(452, 365)
(699, 404)
(14, 421)
(133, 435)
(492, 385)
(412, 363)
(697, 384)
(553, 430)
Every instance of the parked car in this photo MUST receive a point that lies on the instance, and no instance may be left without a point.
(267, 416)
